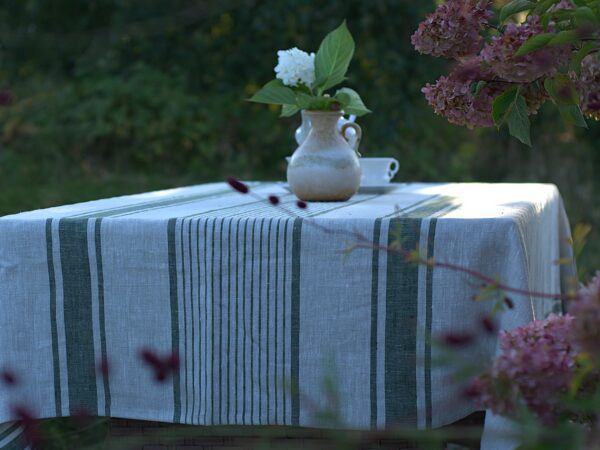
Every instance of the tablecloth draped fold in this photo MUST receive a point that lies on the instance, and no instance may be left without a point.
(276, 313)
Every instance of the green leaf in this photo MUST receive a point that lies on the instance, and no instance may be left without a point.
(478, 87)
(314, 102)
(562, 89)
(288, 110)
(333, 58)
(542, 7)
(584, 15)
(535, 43)
(571, 113)
(502, 105)
(514, 7)
(351, 102)
(510, 108)
(274, 93)
(549, 86)
(585, 50)
(564, 37)
(518, 121)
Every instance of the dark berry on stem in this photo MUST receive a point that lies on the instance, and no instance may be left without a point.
(237, 185)
(457, 339)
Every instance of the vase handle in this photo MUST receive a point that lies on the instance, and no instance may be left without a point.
(358, 131)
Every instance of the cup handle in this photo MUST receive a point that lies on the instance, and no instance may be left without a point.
(358, 134)
(393, 168)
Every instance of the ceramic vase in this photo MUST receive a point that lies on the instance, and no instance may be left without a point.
(325, 167)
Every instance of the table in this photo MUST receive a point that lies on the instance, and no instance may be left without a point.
(272, 316)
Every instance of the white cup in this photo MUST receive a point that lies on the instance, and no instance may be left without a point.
(375, 171)
(378, 171)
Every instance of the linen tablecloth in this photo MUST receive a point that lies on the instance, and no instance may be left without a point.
(273, 315)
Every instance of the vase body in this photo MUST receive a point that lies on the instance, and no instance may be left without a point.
(324, 167)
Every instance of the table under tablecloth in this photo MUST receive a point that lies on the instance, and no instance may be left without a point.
(275, 312)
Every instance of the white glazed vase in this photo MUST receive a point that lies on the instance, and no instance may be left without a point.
(325, 167)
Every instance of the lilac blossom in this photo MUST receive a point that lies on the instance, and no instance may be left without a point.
(453, 98)
(499, 54)
(586, 309)
(588, 85)
(535, 369)
(453, 30)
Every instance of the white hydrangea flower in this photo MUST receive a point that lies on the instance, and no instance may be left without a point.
(295, 66)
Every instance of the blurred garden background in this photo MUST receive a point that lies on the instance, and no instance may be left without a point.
(102, 97)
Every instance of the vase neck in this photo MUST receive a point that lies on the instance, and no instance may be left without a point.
(323, 119)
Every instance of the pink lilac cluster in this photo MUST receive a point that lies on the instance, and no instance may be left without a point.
(454, 29)
(453, 96)
(499, 54)
(586, 309)
(535, 369)
(588, 85)
(453, 99)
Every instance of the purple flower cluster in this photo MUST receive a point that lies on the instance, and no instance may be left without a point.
(499, 54)
(454, 29)
(588, 85)
(586, 309)
(453, 99)
(535, 369)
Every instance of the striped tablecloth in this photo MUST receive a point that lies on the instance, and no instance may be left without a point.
(268, 311)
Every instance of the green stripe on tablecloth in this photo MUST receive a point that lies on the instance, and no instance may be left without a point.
(346, 204)
(284, 330)
(102, 318)
(425, 207)
(244, 323)
(200, 339)
(150, 205)
(268, 318)
(229, 322)
(78, 315)
(11, 429)
(185, 337)
(374, 309)
(276, 324)
(260, 279)
(193, 327)
(205, 301)
(53, 326)
(172, 254)
(237, 314)
(220, 328)
(429, 209)
(428, 320)
(295, 321)
(252, 252)
(212, 326)
(400, 327)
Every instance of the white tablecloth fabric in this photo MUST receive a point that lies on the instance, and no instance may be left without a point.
(272, 316)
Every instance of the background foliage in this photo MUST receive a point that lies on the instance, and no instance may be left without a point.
(107, 97)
